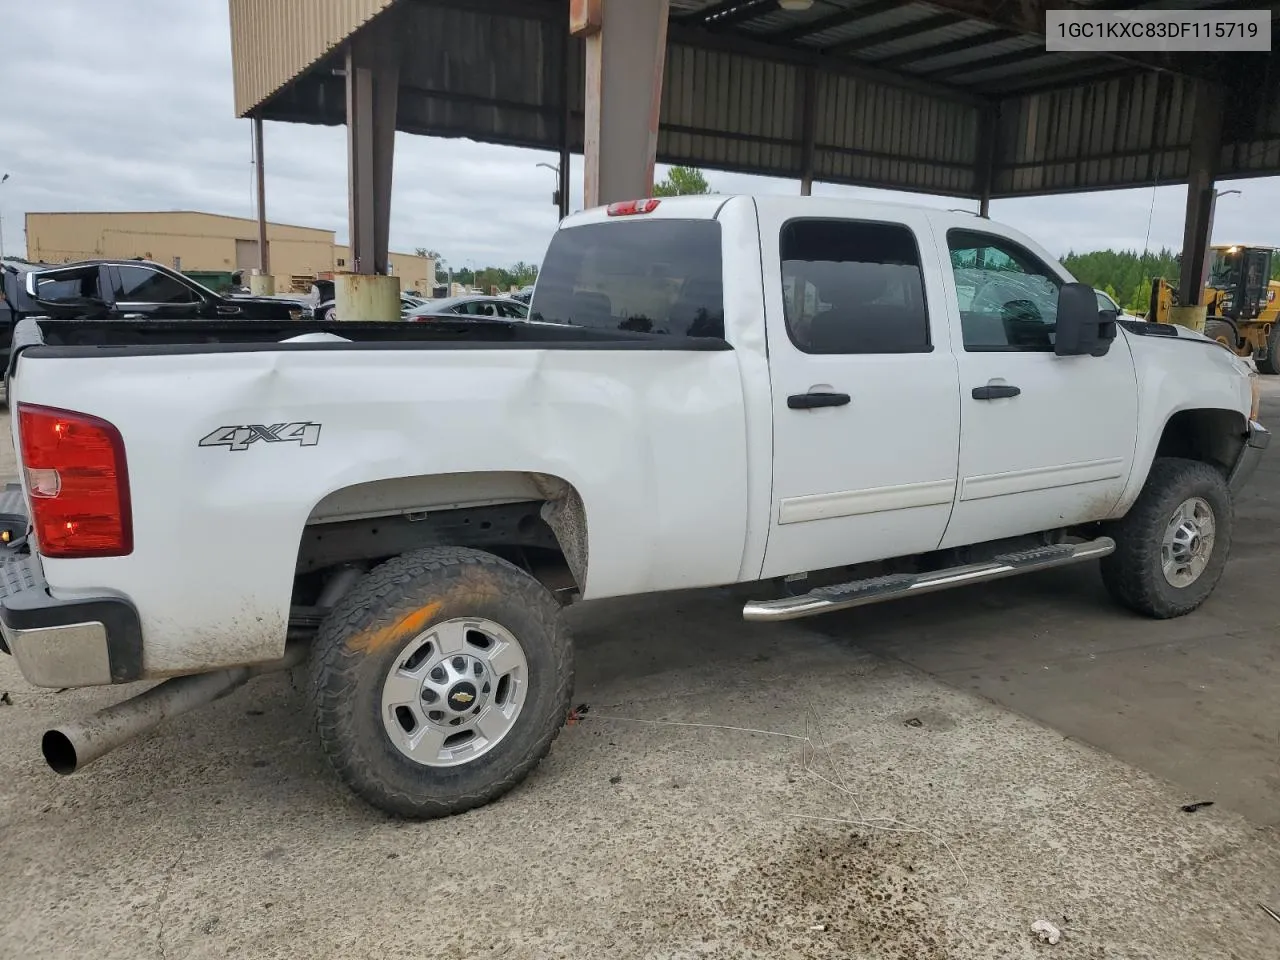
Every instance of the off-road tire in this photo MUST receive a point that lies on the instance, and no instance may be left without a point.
(348, 670)
(1133, 573)
(1271, 362)
(1223, 332)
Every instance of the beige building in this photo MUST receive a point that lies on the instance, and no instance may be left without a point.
(415, 273)
(191, 241)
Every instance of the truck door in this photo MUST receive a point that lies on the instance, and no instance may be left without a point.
(865, 406)
(142, 292)
(1045, 441)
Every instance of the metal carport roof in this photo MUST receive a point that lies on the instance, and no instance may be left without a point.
(927, 97)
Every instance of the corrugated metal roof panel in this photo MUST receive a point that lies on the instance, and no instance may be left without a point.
(680, 7)
(481, 72)
(871, 134)
(984, 75)
(459, 87)
(899, 16)
(1123, 132)
(272, 41)
(774, 19)
(719, 91)
(974, 55)
(744, 113)
(923, 41)
(1259, 152)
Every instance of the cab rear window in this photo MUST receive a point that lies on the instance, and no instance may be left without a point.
(661, 277)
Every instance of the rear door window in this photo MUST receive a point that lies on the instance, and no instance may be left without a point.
(660, 277)
(853, 287)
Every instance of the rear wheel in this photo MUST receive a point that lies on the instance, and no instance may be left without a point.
(1271, 362)
(1172, 546)
(440, 680)
(1221, 331)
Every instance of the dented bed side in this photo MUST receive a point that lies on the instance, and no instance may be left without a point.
(649, 446)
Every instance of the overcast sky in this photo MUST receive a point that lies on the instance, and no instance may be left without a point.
(127, 105)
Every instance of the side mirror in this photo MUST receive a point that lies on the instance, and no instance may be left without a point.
(1082, 330)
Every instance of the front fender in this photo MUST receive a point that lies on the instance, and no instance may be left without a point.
(1176, 375)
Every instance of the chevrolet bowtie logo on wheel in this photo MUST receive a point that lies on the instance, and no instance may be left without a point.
(463, 697)
(239, 437)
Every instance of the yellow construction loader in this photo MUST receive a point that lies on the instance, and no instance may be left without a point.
(1243, 303)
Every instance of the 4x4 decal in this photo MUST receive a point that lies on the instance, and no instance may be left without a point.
(239, 437)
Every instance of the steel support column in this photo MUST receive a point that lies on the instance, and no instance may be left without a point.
(985, 173)
(373, 78)
(264, 251)
(808, 129)
(568, 50)
(626, 43)
(1206, 141)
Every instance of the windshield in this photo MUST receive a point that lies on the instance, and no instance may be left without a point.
(661, 277)
(1223, 267)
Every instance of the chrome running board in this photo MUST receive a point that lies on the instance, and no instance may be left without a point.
(858, 593)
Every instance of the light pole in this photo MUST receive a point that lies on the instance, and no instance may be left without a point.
(1214, 207)
(1208, 253)
(3, 179)
(558, 198)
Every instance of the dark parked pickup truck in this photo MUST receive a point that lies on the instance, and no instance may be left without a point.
(122, 290)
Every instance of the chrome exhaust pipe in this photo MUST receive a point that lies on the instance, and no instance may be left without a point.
(73, 745)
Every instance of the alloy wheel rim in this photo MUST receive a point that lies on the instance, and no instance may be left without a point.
(1188, 542)
(454, 692)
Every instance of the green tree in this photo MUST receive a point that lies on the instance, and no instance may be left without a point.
(682, 182)
(517, 275)
(523, 274)
(1126, 272)
(1140, 301)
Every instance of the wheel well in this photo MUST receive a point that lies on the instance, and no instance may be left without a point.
(1212, 436)
(534, 520)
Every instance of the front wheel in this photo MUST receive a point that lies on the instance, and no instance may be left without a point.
(1172, 546)
(440, 680)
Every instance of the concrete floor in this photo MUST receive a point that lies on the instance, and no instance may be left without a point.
(1192, 700)
(1054, 793)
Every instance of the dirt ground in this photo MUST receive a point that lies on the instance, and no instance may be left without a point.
(920, 780)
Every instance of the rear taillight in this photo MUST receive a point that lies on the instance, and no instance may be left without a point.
(629, 208)
(77, 481)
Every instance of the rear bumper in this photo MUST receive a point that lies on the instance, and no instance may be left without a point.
(63, 643)
(1250, 456)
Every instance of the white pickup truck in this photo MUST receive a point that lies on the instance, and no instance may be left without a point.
(842, 402)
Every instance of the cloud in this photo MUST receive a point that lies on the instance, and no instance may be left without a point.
(128, 106)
